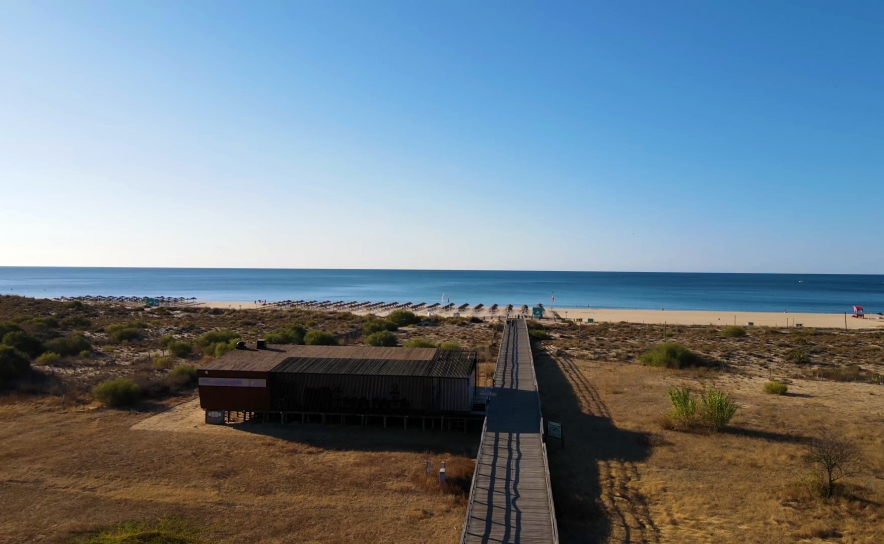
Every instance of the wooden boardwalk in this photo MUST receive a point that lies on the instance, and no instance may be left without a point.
(510, 500)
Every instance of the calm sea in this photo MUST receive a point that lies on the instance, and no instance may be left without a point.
(641, 290)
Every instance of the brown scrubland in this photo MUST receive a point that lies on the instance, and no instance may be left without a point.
(71, 468)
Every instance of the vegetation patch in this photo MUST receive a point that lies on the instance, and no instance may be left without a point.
(775, 388)
(13, 363)
(179, 348)
(734, 332)
(377, 325)
(117, 393)
(164, 531)
(713, 412)
(419, 343)
(217, 343)
(25, 343)
(382, 339)
(539, 334)
(50, 358)
(672, 355)
(72, 344)
(184, 375)
(320, 338)
(293, 334)
(403, 318)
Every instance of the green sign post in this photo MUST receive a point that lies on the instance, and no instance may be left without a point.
(538, 312)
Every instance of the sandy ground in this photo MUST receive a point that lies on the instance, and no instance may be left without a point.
(675, 317)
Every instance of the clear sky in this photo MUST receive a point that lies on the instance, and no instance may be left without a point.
(653, 136)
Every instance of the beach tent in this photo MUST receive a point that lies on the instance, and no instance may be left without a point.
(858, 311)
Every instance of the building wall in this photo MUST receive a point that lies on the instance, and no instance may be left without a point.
(369, 394)
(234, 390)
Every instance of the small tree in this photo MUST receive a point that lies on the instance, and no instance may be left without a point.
(831, 455)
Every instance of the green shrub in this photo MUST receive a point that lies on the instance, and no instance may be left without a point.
(403, 318)
(75, 305)
(214, 337)
(378, 325)
(382, 339)
(24, 342)
(71, 344)
(119, 332)
(163, 362)
(800, 356)
(717, 410)
(13, 363)
(118, 392)
(320, 338)
(419, 343)
(166, 339)
(217, 343)
(48, 359)
(43, 322)
(184, 375)
(776, 388)
(734, 332)
(8, 327)
(671, 355)
(449, 345)
(179, 348)
(684, 406)
(532, 324)
(293, 334)
(75, 322)
(475, 319)
(538, 334)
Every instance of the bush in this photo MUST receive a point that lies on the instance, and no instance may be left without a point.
(170, 530)
(7, 327)
(684, 407)
(403, 318)
(800, 357)
(48, 359)
(538, 334)
(293, 334)
(776, 388)
(718, 409)
(534, 325)
(419, 343)
(320, 338)
(118, 392)
(734, 332)
(449, 345)
(120, 333)
(75, 322)
(179, 348)
(382, 339)
(166, 339)
(378, 325)
(217, 343)
(13, 363)
(671, 355)
(71, 344)
(25, 343)
(163, 362)
(43, 322)
(184, 375)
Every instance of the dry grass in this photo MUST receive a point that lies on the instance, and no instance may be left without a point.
(621, 478)
(76, 470)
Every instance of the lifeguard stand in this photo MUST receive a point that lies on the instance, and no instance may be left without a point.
(859, 312)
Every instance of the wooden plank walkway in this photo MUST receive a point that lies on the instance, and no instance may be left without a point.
(510, 500)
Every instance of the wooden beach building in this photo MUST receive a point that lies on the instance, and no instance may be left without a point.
(303, 382)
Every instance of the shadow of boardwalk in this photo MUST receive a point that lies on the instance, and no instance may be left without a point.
(592, 475)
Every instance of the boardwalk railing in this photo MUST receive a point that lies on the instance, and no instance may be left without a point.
(515, 510)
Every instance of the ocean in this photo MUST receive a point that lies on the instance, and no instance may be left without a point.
(623, 290)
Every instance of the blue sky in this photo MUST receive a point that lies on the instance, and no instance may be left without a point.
(654, 136)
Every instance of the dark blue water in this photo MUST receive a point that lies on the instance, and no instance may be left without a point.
(642, 290)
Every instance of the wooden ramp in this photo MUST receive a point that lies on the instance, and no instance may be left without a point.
(510, 500)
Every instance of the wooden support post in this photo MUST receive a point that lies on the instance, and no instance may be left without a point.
(423, 423)
(405, 425)
(385, 422)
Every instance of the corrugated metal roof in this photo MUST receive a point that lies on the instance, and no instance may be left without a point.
(253, 360)
(386, 362)
(349, 360)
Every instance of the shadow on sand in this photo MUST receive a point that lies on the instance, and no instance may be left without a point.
(591, 473)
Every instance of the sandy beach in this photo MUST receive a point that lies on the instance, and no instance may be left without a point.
(675, 317)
